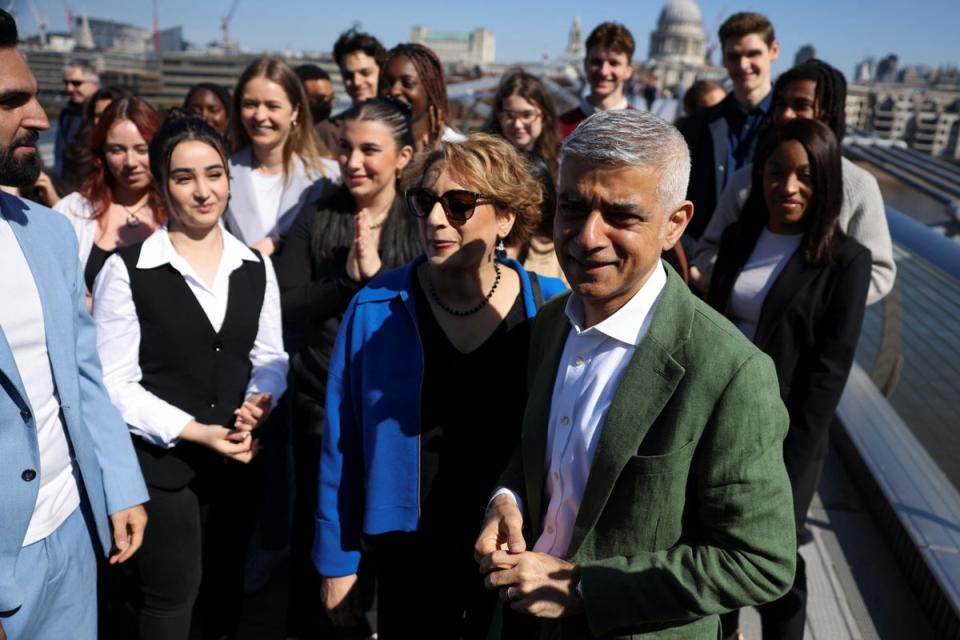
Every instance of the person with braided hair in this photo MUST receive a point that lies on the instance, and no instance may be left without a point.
(812, 90)
(414, 75)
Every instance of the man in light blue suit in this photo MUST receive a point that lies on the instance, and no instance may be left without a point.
(68, 472)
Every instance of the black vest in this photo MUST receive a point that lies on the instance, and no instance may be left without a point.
(188, 364)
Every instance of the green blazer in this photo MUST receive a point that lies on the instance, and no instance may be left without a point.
(687, 511)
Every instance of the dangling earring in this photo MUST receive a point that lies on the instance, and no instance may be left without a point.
(501, 250)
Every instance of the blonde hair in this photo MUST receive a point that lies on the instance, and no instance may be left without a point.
(303, 140)
(491, 166)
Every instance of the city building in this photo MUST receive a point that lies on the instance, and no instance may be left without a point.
(109, 35)
(804, 53)
(678, 48)
(864, 71)
(574, 51)
(478, 47)
(887, 69)
(927, 119)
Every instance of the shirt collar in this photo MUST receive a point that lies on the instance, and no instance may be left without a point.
(733, 106)
(629, 322)
(157, 250)
(588, 109)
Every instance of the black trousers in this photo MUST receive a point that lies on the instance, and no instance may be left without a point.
(429, 588)
(192, 558)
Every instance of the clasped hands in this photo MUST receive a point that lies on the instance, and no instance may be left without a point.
(534, 583)
(236, 443)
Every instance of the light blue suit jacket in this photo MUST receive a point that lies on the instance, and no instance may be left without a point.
(99, 437)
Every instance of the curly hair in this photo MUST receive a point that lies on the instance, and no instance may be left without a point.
(97, 188)
(489, 165)
(530, 88)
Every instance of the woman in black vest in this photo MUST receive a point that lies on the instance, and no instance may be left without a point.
(328, 255)
(795, 285)
(188, 329)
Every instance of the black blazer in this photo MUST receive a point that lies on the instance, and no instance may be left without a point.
(809, 325)
(706, 135)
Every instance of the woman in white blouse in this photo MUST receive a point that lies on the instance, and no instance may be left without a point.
(189, 333)
(279, 164)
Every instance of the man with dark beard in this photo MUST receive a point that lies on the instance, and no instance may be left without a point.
(66, 460)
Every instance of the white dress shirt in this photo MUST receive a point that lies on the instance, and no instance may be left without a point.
(21, 319)
(118, 334)
(591, 366)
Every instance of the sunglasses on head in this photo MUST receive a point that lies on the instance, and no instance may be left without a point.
(458, 204)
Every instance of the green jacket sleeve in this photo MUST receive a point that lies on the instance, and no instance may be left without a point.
(741, 550)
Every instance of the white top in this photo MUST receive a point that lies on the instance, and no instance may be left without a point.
(267, 190)
(78, 211)
(591, 366)
(452, 135)
(769, 257)
(118, 334)
(23, 326)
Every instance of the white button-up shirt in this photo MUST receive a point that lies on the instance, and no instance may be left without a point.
(21, 319)
(118, 334)
(592, 364)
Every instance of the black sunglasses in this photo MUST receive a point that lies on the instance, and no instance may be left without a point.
(458, 204)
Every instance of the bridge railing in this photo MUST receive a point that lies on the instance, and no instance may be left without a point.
(899, 419)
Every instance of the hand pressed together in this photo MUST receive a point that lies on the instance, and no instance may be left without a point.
(253, 412)
(534, 583)
(363, 260)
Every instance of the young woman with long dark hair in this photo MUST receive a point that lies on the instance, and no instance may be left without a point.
(116, 205)
(790, 279)
(189, 333)
(330, 252)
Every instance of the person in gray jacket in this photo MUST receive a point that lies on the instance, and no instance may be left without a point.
(818, 91)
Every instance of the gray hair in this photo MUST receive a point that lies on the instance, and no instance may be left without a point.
(629, 138)
(83, 67)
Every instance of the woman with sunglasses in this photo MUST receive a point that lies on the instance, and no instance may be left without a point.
(331, 251)
(428, 369)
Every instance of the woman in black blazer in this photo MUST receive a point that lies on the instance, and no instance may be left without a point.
(797, 287)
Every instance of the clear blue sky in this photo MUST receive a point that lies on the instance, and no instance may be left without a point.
(843, 31)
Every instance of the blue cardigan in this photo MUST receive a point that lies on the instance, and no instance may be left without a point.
(370, 457)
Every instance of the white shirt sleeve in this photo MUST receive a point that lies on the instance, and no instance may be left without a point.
(503, 491)
(118, 344)
(267, 356)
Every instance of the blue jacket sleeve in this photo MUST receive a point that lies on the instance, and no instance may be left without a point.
(339, 519)
(123, 484)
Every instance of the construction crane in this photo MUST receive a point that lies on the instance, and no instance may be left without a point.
(156, 28)
(71, 16)
(225, 22)
(41, 21)
(713, 44)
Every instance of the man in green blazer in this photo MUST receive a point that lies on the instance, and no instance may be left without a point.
(649, 493)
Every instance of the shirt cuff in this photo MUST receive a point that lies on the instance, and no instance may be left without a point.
(503, 491)
(166, 424)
